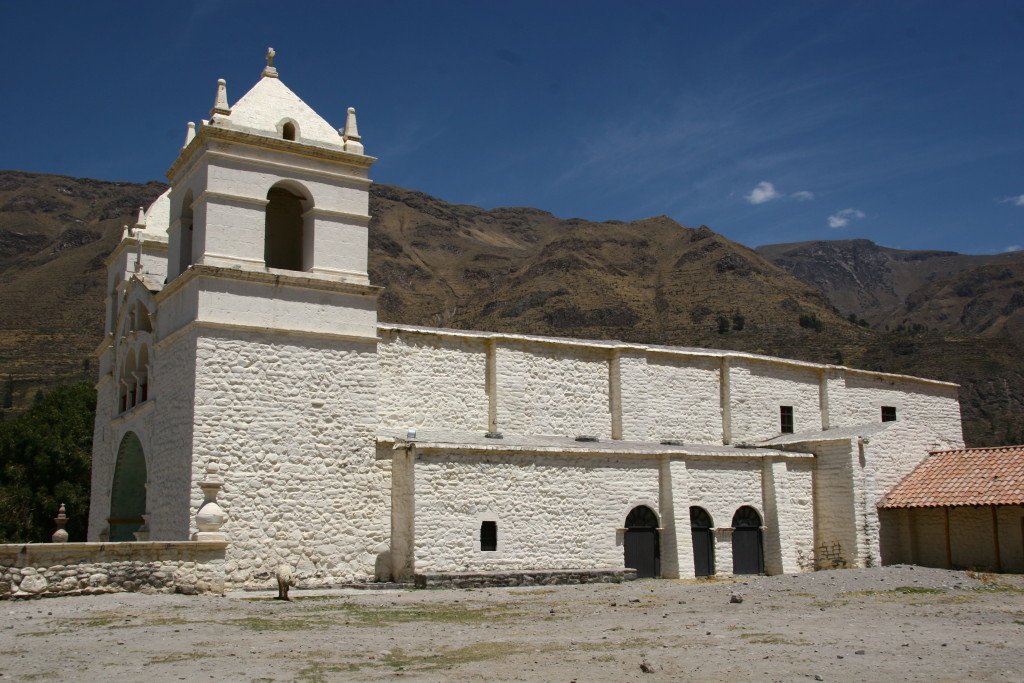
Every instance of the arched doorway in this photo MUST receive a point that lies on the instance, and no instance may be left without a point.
(747, 544)
(641, 543)
(703, 542)
(128, 494)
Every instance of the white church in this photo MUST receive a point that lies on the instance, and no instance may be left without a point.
(242, 340)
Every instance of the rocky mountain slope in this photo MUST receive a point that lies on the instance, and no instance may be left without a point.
(965, 294)
(510, 269)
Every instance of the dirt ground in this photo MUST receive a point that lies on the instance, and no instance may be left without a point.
(893, 623)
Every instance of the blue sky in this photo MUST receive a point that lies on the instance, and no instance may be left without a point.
(900, 122)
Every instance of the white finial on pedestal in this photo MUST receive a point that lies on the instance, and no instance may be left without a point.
(140, 222)
(60, 535)
(270, 71)
(351, 134)
(220, 105)
(211, 516)
(190, 135)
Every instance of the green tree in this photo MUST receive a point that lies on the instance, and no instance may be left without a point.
(45, 460)
(723, 324)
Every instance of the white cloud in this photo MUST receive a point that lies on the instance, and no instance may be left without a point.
(802, 196)
(764, 192)
(1016, 201)
(840, 219)
(1013, 247)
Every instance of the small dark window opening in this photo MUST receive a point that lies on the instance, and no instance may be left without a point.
(888, 413)
(488, 536)
(288, 131)
(786, 419)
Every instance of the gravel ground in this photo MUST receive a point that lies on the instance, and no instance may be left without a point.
(892, 623)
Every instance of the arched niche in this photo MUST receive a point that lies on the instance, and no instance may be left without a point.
(284, 245)
(128, 493)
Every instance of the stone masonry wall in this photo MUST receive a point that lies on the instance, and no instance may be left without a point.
(552, 512)
(673, 397)
(292, 423)
(104, 456)
(428, 380)
(168, 441)
(48, 570)
(545, 389)
(759, 388)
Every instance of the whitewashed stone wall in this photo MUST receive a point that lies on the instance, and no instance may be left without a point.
(427, 380)
(857, 398)
(292, 423)
(168, 439)
(567, 511)
(552, 512)
(568, 387)
(789, 514)
(552, 389)
(104, 456)
(759, 388)
(667, 396)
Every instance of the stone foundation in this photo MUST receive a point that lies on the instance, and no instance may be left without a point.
(54, 569)
(540, 578)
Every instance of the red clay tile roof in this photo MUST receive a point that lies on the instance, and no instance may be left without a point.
(972, 476)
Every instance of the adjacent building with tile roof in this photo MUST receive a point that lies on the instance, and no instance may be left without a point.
(959, 508)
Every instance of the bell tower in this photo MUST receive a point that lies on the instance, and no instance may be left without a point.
(266, 355)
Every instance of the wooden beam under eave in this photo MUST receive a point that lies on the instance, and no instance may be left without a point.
(949, 550)
(995, 537)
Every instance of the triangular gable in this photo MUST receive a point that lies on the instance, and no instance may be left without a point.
(269, 104)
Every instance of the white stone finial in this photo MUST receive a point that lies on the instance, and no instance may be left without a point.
(210, 516)
(60, 535)
(351, 134)
(220, 105)
(190, 135)
(270, 70)
(140, 222)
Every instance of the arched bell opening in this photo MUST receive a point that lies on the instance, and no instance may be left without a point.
(284, 245)
(747, 542)
(185, 233)
(128, 493)
(703, 539)
(641, 543)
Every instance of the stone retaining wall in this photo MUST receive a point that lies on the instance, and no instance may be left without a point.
(544, 578)
(53, 569)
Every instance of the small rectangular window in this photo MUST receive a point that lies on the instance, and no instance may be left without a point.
(786, 419)
(488, 536)
(888, 413)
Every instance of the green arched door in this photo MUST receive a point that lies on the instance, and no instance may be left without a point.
(128, 495)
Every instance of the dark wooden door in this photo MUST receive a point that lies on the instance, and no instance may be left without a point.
(703, 542)
(703, 552)
(642, 552)
(641, 546)
(747, 543)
